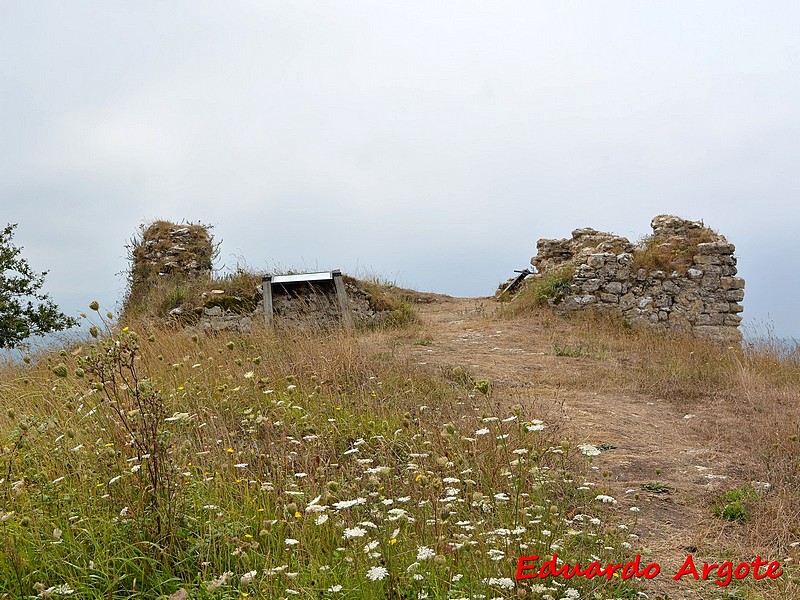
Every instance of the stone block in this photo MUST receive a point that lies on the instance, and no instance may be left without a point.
(663, 301)
(734, 295)
(613, 287)
(671, 287)
(716, 248)
(731, 283)
(612, 298)
(710, 282)
(623, 274)
(625, 259)
(590, 286)
(719, 307)
(732, 320)
(608, 272)
(627, 301)
(707, 259)
(595, 261)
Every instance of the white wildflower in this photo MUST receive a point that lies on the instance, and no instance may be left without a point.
(248, 577)
(354, 532)
(377, 573)
(219, 582)
(589, 450)
(178, 416)
(504, 582)
(349, 503)
(393, 514)
(605, 499)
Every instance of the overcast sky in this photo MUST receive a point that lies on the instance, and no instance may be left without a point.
(431, 143)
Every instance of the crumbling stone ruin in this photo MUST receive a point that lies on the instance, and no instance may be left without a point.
(682, 278)
(171, 278)
(169, 249)
(305, 307)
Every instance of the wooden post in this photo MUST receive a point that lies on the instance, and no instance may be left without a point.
(266, 291)
(341, 297)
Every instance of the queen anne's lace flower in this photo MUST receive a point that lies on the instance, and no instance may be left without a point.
(354, 532)
(425, 553)
(377, 573)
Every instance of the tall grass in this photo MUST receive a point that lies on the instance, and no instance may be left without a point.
(748, 399)
(287, 466)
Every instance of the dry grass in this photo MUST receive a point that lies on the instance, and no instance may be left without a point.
(672, 254)
(752, 394)
(540, 290)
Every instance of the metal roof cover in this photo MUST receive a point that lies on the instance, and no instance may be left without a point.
(303, 277)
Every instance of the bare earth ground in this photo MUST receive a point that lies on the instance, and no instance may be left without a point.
(648, 440)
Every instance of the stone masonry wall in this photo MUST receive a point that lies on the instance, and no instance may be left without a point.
(168, 249)
(682, 278)
(185, 253)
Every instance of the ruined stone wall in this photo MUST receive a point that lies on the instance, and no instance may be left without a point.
(166, 248)
(682, 278)
(171, 278)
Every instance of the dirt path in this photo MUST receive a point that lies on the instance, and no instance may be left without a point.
(647, 441)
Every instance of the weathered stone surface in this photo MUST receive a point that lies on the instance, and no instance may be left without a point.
(166, 249)
(715, 248)
(682, 279)
(553, 254)
(734, 295)
(733, 319)
(731, 283)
